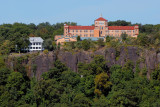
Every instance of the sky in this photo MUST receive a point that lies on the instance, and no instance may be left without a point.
(83, 12)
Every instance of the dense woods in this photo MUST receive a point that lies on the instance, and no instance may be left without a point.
(95, 84)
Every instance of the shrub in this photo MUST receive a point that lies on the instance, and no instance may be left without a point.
(45, 51)
(86, 44)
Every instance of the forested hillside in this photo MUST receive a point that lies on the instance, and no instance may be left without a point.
(95, 84)
(127, 74)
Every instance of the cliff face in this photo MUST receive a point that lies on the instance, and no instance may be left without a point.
(148, 59)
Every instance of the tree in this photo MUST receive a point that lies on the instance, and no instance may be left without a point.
(124, 36)
(48, 92)
(78, 38)
(78, 44)
(100, 42)
(157, 42)
(48, 44)
(6, 47)
(4, 73)
(55, 72)
(100, 102)
(59, 46)
(143, 40)
(87, 86)
(102, 84)
(119, 23)
(108, 39)
(80, 100)
(86, 44)
(16, 85)
(54, 45)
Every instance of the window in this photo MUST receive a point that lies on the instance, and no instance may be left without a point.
(102, 28)
(39, 47)
(33, 47)
(36, 47)
(73, 30)
(33, 43)
(76, 30)
(39, 43)
(101, 32)
(101, 23)
(91, 30)
(36, 43)
(85, 30)
(80, 30)
(30, 47)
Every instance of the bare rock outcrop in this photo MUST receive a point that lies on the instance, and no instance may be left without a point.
(43, 62)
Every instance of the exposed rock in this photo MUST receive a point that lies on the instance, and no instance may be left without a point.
(145, 58)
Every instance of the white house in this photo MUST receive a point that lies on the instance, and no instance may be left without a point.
(36, 44)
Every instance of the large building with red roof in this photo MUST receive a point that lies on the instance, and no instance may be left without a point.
(100, 29)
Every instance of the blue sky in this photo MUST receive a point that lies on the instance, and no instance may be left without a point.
(84, 12)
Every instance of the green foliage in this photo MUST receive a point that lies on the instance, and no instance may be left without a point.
(124, 36)
(143, 40)
(69, 45)
(97, 66)
(156, 74)
(2, 64)
(45, 51)
(14, 37)
(93, 85)
(102, 84)
(78, 45)
(100, 42)
(81, 101)
(6, 47)
(59, 46)
(119, 23)
(56, 71)
(86, 44)
(4, 73)
(108, 39)
(54, 45)
(48, 44)
(78, 38)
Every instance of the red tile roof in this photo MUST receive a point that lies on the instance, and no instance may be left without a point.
(82, 27)
(101, 19)
(121, 27)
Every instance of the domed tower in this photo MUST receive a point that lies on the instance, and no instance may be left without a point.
(101, 27)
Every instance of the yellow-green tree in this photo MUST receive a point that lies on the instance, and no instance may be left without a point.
(102, 84)
(6, 47)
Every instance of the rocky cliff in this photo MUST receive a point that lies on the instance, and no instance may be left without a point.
(142, 58)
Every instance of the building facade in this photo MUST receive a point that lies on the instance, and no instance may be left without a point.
(100, 29)
(36, 44)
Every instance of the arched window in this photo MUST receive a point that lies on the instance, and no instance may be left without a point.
(101, 32)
